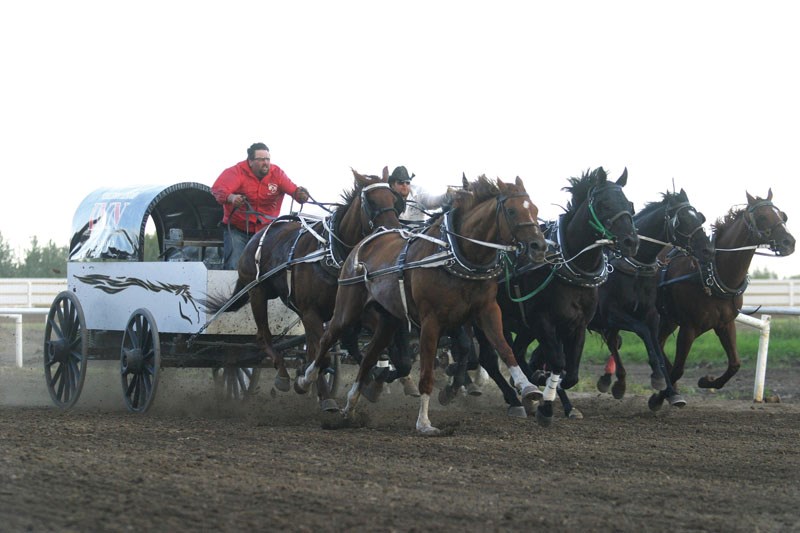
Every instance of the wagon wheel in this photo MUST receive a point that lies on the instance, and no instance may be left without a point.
(66, 347)
(140, 361)
(236, 383)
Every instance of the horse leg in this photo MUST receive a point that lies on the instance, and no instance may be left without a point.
(488, 360)
(573, 351)
(347, 313)
(490, 321)
(312, 323)
(400, 356)
(727, 337)
(382, 333)
(259, 301)
(349, 342)
(648, 333)
(459, 348)
(614, 343)
(428, 343)
(683, 345)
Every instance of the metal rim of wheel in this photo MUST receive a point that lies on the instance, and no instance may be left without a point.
(236, 383)
(140, 361)
(66, 349)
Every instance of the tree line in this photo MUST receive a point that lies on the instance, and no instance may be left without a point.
(37, 261)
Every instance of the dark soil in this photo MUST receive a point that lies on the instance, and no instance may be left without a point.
(722, 463)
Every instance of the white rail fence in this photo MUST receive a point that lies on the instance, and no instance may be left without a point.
(33, 296)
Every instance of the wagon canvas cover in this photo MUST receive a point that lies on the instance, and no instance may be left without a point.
(110, 222)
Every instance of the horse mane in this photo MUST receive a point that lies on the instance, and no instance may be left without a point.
(480, 190)
(666, 199)
(580, 187)
(726, 220)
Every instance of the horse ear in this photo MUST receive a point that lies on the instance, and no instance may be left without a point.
(624, 178)
(519, 183)
(769, 194)
(464, 182)
(358, 179)
(750, 199)
(683, 194)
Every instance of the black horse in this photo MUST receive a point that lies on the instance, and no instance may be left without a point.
(553, 304)
(628, 299)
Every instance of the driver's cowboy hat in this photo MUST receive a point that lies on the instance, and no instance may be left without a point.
(400, 174)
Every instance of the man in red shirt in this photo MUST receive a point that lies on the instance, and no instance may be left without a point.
(251, 193)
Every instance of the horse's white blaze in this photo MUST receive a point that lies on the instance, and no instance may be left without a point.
(526, 204)
(550, 389)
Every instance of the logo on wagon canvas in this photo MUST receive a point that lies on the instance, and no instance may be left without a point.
(112, 285)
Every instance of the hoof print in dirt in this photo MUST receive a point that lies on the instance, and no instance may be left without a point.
(336, 420)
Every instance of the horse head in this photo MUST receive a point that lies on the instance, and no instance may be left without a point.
(767, 224)
(685, 227)
(515, 218)
(380, 204)
(612, 213)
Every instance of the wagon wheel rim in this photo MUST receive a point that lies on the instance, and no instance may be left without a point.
(66, 348)
(140, 361)
(235, 383)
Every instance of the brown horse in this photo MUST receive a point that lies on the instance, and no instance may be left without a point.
(301, 261)
(439, 279)
(700, 297)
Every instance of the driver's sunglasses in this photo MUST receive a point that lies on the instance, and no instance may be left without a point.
(404, 182)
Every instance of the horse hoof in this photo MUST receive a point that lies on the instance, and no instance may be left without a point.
(517, 411)
(604, 383)
(574, 414)
(527, 404)
(542, 419)
(298, 388)
(446, 395)
(474, 390)
(676, 400)
(329, 405)
(282, 383)
(429, 431)
(372, 391)
(531, 392)
(618, 390)
(655, 402)
(706, 382)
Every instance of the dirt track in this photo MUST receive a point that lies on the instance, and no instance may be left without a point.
(719, 464)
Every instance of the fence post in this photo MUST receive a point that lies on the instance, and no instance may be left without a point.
(761, 363)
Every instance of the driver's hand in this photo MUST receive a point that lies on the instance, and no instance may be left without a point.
(301, 195)
(236, 200)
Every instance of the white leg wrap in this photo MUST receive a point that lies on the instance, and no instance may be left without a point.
(520, 381)
(550, 388)
(423, 422)
(309, 377)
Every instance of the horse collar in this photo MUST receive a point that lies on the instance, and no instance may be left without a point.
(462, 267)
(572, 274)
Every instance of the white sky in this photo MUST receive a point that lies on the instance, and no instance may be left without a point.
(110, 93)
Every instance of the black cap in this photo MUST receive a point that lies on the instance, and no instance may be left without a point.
(400, 174)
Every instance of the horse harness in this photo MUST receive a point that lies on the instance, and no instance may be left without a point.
(448, 254)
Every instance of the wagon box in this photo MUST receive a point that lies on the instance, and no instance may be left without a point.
(149, 312)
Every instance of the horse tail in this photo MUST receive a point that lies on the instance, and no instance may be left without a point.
(215, 302)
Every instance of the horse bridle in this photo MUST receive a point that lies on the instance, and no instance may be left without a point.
(673, 223)
(598, 225)
(752, 225)
(501, 206)
(371, 213)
